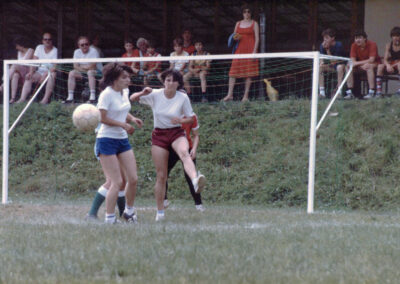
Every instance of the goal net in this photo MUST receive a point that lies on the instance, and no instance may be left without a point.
(230, 101)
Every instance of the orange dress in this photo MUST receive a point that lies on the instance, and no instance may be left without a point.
(244, 68)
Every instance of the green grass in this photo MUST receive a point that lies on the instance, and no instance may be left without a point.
(253, 153)
(49, 242)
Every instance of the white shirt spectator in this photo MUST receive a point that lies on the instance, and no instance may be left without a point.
(92, 53)
(165, 109)
(179, 63)
(117, 107)
(41, 54)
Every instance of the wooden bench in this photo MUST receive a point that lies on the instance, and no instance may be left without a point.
(385, 82)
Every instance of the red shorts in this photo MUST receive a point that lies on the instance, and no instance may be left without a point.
(165, 137)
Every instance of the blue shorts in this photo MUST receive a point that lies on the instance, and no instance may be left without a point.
(111, 146)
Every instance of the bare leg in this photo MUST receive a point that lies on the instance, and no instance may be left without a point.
(350, 80)
(203, 81)
(14, 86)
(231, 85)
(371, 76)
(160, 160)
(181, 147)
(92, 79)
(247, 85)
(128, 163)
(340, 74)
(26, 89)
(49, 88)
(186, 78)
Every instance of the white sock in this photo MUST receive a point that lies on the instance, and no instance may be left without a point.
(110, 218)
(92, 95)
(160, 212)
(322, 91)
(349, 92)
(371, 91)
(121, 193)
(102, 190)
(129, 210)
(70, 95)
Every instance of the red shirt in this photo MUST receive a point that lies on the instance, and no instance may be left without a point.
(370, 49)
(190, 49)
(151, 64)
(135, 53)
(188, 127)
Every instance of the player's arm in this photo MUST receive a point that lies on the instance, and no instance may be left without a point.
(112, 122)
(130, 118)
(137, 95)
(257, 37)
(387, 55)
(181, 120)
(196, 140)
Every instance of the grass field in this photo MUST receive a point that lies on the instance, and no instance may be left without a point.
(50, 242)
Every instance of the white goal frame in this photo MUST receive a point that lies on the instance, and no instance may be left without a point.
(314, 126)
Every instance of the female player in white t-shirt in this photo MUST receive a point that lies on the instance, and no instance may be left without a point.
(169, 106)
(112, 144)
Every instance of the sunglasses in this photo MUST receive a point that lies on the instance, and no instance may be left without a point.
(84, 44)
(47, 39)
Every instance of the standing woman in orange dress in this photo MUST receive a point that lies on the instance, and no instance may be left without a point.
(248, 33)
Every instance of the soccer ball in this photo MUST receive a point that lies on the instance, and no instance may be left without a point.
(86, 117)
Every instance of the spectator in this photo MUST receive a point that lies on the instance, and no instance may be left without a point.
(82, 70)
(364, 54)
(247, 31)
(142, 45)
(18, 72)
(129, 50)
(199, 69)
(43, 51)
(179, 65)
(391, 60)
(187, 42)
(152, 69)
(330, 47)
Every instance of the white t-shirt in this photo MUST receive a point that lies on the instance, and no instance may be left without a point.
(92, 53)
(165, 109)
(179, 63)
(117, 107)
(41, 54)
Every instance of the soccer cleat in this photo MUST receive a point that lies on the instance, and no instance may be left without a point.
(91, 217)
(166, 203)
(200, 208)
(369, 96)
(160, 217)
(130, 218)
(115, 221)
(199, 182)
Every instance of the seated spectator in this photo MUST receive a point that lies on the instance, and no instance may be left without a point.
(96, 45)
(142, 45)
(152, 69)
(83, 70)
(43, 51)
(179, 65)
(187, 42)
(199, 69)
(129, 50)
(391, 60)
(364, 54)
(330, 47)
(18, 72)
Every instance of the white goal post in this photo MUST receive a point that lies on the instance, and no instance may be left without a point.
(314, 125)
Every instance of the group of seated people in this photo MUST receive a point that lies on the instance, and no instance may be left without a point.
(365, 59)
(143, 71)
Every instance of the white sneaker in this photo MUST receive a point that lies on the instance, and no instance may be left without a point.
(369, 96)
(160, 217)
(200, 208)
(115, 221)
(199, 182)
(348, 96)
(166, 203)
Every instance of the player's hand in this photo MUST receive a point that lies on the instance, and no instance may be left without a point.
(192, 154)
(176, 120)
(138, 122)
(147, 91)
(129, 128)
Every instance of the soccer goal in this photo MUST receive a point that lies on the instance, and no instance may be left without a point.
(215, 88)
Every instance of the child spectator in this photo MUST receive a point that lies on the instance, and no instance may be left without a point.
(179, 65)
(129, 50)
(151, 69)
(391, 60)
(199, 69)
(187, 42)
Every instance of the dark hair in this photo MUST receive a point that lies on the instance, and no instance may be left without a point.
(362, 33)
(176, 77)
(22, 41)
(129, 40)
(329, 32)
(111, 72)
(197, 40)
(82, 37)
(395, 31)
(245, 6)
(178, 41)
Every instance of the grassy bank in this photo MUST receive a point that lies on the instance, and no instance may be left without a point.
(256, 153)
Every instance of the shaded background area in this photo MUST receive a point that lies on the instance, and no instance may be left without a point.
(290, 25)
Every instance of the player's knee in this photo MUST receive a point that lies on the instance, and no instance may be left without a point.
(132, 179)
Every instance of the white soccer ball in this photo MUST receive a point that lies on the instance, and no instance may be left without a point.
(86, 117)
